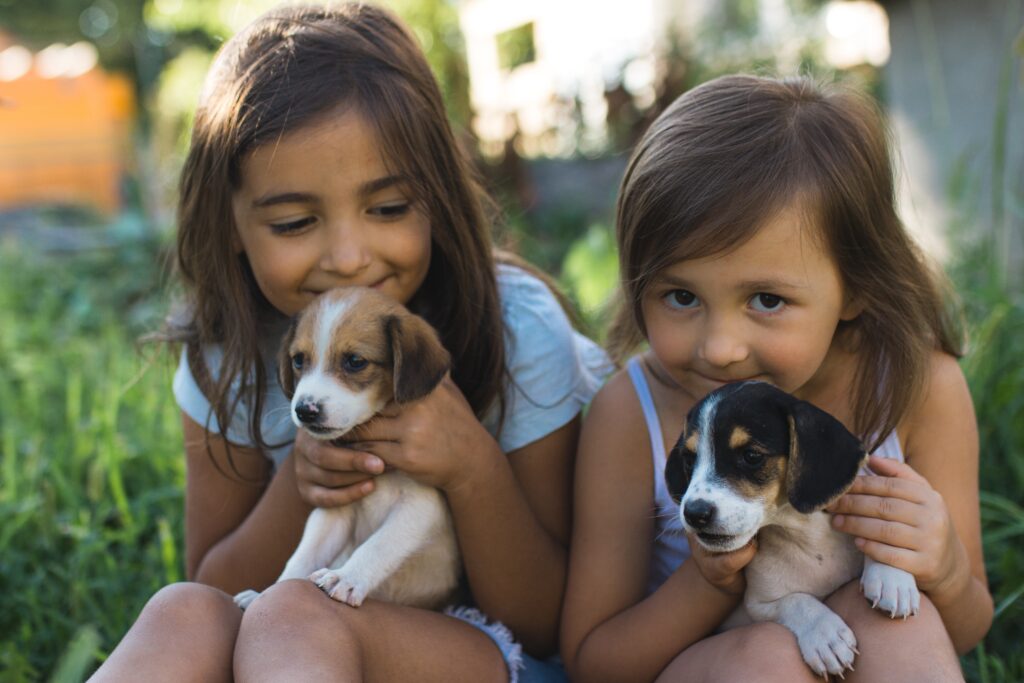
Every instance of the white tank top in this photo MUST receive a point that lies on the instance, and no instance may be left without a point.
(670, 548)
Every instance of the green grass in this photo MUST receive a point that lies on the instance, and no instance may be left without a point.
(91, 466)
(91, 469)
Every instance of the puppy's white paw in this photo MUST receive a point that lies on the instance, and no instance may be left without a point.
(245, 598)
(827, 644)
(890, 590)
(341, 586)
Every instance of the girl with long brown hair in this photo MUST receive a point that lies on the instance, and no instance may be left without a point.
(758, 239)
(322, 156)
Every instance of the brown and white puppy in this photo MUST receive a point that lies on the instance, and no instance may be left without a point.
(754, 460)
(348, 354)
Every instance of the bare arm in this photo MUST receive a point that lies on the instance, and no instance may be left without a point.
(942, 446)
(239, 531)
(610, 631)
(512, 521)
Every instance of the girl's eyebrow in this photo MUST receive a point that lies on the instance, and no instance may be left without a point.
(365, 190)
(373, 186)
(760, 284)
(283, 198)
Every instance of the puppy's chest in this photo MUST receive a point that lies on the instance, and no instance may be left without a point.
(390, 491)
(808, 557)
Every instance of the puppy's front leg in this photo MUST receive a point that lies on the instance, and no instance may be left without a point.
(826, 642)
(890, 589)
(325, 535)
(407, 527)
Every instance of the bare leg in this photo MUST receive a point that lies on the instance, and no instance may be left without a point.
(917, 649)
(186, 632)
(295, 632)
(764, 652)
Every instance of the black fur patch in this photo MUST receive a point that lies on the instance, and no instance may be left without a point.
(823, 457)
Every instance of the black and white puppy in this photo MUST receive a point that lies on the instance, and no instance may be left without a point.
(348, 354)
(754, 460)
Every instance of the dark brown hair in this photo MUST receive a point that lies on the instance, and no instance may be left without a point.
(729, 154)
(290, 67)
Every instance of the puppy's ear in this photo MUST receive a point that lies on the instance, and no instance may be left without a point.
(420, 361)
(823, 458)
(678, 468)
(285, 373)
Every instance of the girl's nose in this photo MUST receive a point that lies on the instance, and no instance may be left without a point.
(723, 343)
(345, 251)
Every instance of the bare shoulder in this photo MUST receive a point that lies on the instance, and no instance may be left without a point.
(943, 417)
(615, 419)
(614, 458)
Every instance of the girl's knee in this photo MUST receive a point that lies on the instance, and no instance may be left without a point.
(914, 649)
(298, 606)
(192, 604)
(765, 652)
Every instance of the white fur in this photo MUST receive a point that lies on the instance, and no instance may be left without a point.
(396, 544)
(800, 560)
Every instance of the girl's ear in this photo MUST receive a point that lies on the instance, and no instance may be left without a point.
(420, 360)
(236, 242)
(852, 307)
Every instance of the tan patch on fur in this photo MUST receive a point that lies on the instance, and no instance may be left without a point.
(773, 488)
(740, 437)
(692, 440)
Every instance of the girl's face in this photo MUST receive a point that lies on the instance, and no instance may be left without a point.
(767, 310)
(318, 209)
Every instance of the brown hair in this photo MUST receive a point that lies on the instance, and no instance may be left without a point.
(733, 151)
(286, 69)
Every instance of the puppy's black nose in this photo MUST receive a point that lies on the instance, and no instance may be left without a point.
(307, 411)
(699, 513)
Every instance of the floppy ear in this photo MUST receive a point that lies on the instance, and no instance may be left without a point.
(285, 373)
(420, 360)
(677, 471)
(823, 458)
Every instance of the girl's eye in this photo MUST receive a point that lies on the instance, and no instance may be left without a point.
(392, 211)
(352, 362)
(291, 226)
(766, 303)
(681, 299)
(298, 360)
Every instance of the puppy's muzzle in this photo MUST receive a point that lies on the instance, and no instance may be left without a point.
(699, 513)
(308, 411)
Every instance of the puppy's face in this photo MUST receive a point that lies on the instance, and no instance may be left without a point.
(350, 353)
(749, 450)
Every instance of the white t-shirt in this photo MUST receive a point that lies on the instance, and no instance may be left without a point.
(554, 372)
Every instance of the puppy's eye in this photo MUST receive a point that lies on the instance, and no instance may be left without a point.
(753, 458)
(298, 360)
(352, 362)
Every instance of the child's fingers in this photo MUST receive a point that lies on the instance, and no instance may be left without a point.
(890, 487)
(891, 533)
(326, 497)
(901, 558)
(890, 467)
(880, 507)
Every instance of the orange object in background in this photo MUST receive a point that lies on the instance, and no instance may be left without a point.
(64, 139)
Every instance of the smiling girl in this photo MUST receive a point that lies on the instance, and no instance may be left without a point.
(322, 156)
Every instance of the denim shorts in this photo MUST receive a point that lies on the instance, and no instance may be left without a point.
(522, 668)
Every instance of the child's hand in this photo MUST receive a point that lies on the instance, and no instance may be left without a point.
(899, 519)
(724, 571)
(328, 475)
(436, 440)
